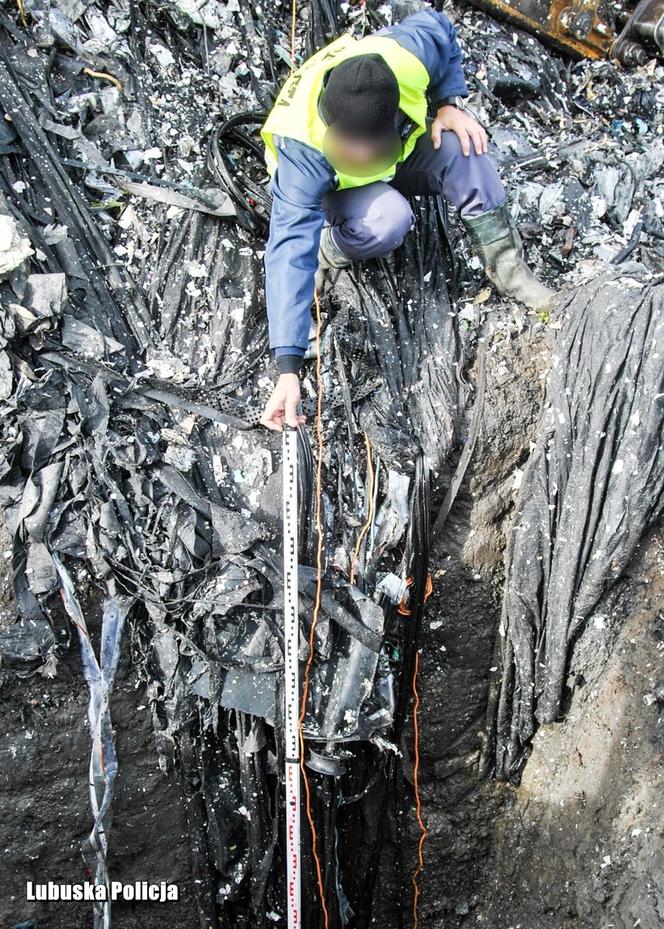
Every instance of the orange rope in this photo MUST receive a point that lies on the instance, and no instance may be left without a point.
(370, 508)
(314, 621)
(418, 804)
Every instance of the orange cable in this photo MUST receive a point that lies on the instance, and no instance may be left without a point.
(418, 804)
(370, 493)
(314, 621)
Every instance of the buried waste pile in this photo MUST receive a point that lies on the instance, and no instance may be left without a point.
(134, 365)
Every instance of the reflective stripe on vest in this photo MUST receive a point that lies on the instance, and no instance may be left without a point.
(295, 112)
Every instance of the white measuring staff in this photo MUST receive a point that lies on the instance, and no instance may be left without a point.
(291, 677)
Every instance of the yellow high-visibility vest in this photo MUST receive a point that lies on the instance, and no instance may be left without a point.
(295, 112)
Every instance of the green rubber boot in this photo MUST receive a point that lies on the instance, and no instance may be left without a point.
(499, 246)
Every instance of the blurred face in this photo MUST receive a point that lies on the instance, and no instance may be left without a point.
(357, 157)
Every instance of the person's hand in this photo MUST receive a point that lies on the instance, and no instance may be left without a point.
(282, 405)
(463, 126)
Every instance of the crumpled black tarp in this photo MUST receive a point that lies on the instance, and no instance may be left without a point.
(593, 485)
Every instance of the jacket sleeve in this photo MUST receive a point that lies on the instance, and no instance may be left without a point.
(432, 38)
(301, 180)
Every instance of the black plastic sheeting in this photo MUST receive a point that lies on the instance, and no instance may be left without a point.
(593, 485)
(130, 463)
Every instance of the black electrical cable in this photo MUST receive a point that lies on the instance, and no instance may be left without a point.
(250, 196)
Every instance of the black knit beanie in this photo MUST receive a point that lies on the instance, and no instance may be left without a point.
(361, 98)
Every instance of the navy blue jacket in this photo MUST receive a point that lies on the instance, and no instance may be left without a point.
(303, 177)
